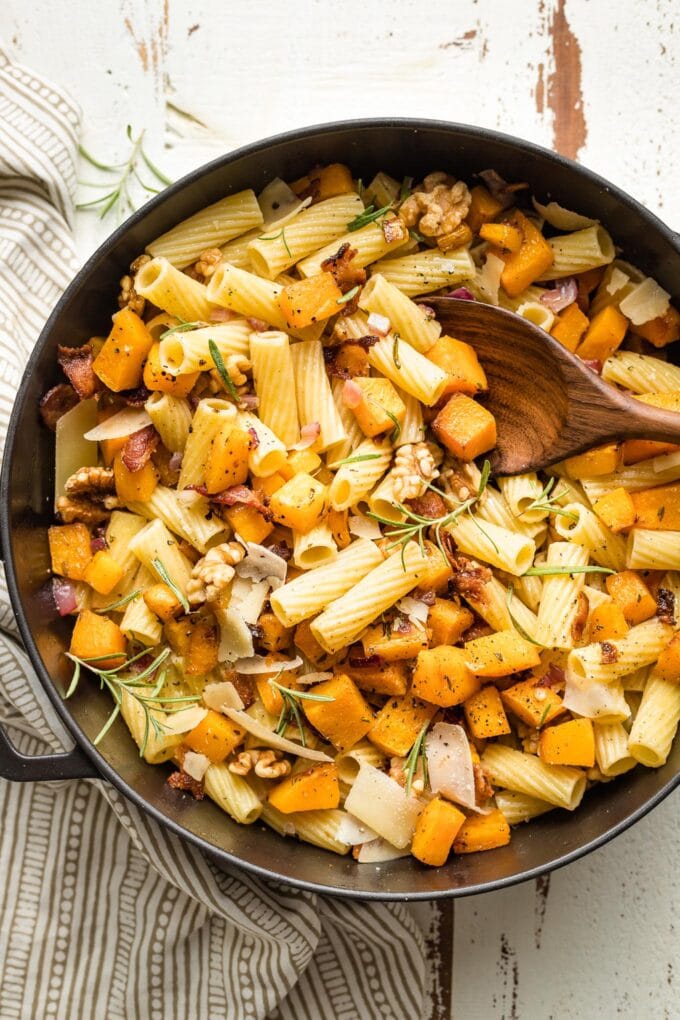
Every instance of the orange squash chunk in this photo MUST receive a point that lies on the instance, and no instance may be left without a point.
(155, 377)
(483, 208)
(658, 509)
(134, 486)
(119, 363)
(346, 719)
(668, 664)
(388, 678)
(663, 330)
(604, 334)
(97, 637)
(465, 428)
(632, 595)
(103, 572)
(398, 724)
(485, 714)
(70, 550)
(534, 257)
(501, 235)
(482, 832)
(248, 523)
(442, 677)
(380, 406)
(436, 828)
(311, 300)
(447, 621)
(616, 509)
(607, 622)
(532, 704)
(570, 326)
(215, 737)
(568, 743)
(461, 364)
(600, 461)
(317, 789)
(500, 654)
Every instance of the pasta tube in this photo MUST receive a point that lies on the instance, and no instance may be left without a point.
(159, 282)
(209, 228)
(560, 785)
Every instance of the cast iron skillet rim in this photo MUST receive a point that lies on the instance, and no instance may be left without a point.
(107, 771)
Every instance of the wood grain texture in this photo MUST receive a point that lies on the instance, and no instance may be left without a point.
(595, 80)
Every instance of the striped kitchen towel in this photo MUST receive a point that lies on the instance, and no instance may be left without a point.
(102, 912)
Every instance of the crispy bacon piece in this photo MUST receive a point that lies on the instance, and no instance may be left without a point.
(181, 781)
(609, 653)
(553, 677)
(76, 363)
(364, 661)
(429, 505)
(245, 687)
(135, 398)
(237, 494)
(579, 621)
(254, 440)
(345, 275)
(281, 549)
(139, 448)
(469, 578)
(55, 402)
(483, 788)
(665, 602)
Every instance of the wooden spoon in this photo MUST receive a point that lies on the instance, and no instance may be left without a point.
(548, 404)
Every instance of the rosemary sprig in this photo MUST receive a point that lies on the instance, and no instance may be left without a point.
(165, 576)
(121, 602)
(516, 624)
(414, 526)
(291, 707)
(361, 457)
(396, 431)
(546, 710)
(547, 570)
(416, 235)
(395, 351)
(416, 754)
(547, 499)
(348, 296)
(147, 695)
(222, 371)
(369, 215)
(119, 196)
(182, 327)
(274, 237)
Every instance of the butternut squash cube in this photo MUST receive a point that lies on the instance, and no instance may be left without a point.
(162, 601)
(442, 678)
(275, 637)
(501, 235)
(300, 503)
(70, 550)
(447, 622)
(200, 656)
(380, 407)
(134, 486)
(501, 654)
(668, 663)
(663, 330)
(485, 714)
(438, 572)
(600, 461)
(316, 789)
(270, 696)
(383, 678)
(398, 724)
(394, 644)
(228, 461)
(98, 637)
(305, 641)
(334, 179)
(178, 633)
(658, 509)
(604, 334)
(215, 737)
(300, 462)
(312, 300)
(568, 743)
(155, 377)
(635, 450)
(461, 364)
(535, 257)
(465, 428)
(346, 719)
(606, 622)
(570, 326)
(436, 828)
(119, 363)
(483, 207)
(532, 704)
(103, 572)
(338, 523)
(616, 509)
(249, 523)
(482, 832)
(632, 595)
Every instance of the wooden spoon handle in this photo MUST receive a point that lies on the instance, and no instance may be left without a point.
(628, 418)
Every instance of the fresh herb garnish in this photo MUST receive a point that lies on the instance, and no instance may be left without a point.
(182, 327)
(418, 753)
(119, 197)
(547, 500)
(369, 215)
(147, 695)
(416, 235)
(546, 710)
(516, 624)
(547, 570)
(222, 371)
(396, 431)
(348, 296)
(357, 460)
(405, 189)
(274, 237)
(165, 576)
(121, 602)
(395, 351)
(291, 707)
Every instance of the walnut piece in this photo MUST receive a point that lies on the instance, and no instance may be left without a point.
(205, 266)
(437, 209)
(414, 467)
(82, 509)
(213, 572)
(94, 482)
(243, 763)
(236, 365)
(271, 765)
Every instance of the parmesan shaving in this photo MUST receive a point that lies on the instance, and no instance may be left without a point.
(563, 219)
(248, 598)
(449, 764)
(645, 302)
(125, 423)
(279, 204)
(364, 527)
(222, 695)
(271, 739)
(261, 564)
(488, 279)
(313, 678)
(352, 831)
(236, 641)
(415, 610)
(378, 851)
(185, 720)
(195, 765)
(617, 281)
(379, 323)
(262, 664)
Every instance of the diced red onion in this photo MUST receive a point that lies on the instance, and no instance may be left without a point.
(309, 434)
(249, 402)
(379, 323)
(64, 596)
(462, 293)
(259, 325)
(594, 364)
(222, 315)
(97, 543)
(563, 294)
(175, 462)
(352, 395)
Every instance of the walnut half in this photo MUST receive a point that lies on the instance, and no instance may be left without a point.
(439, 207)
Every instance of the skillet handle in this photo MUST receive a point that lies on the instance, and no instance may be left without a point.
(20, 767)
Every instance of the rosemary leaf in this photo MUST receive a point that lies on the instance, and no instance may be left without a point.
(348, 296)
(369, 215)
(222, 371)
(518, 627)
(395, 351)
(165, 576)
(121, 602)
(181, 327)
(357, 460)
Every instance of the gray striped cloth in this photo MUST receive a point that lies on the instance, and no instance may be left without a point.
(102, 912)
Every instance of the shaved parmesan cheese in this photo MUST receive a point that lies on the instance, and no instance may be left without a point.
(604, 702)
(127, 421)
(313, 678)
(193, 500)
(645, 302)
(617, 281)
(195, 765)
(236, 641)
(222, 695)
(380, 802)
(488, 279)
(271, 739)
(279, 204)
(415, 610)
(380, 324)
(449, 764)
(261, 564)
(185, 720)
(352, 831)
(248, 598)
(378, 851)
(262, 664)
(564, 219)
(364, 527)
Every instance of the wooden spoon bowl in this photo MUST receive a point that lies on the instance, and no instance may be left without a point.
(548, 404)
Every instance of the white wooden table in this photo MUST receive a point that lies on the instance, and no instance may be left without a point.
(595, 80)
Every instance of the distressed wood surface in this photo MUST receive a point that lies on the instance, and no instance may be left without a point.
(594, 80)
